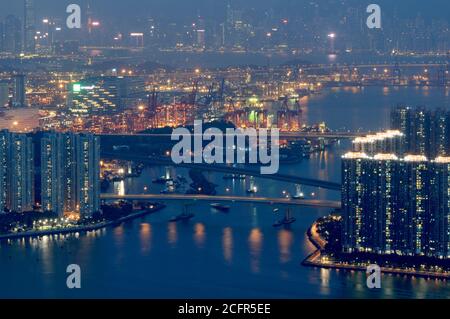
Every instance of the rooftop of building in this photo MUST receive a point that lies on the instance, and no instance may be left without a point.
(393, 157)
(415, 158)
(378, 136)
(442, 159)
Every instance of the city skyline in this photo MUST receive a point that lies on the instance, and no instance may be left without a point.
(298, 26)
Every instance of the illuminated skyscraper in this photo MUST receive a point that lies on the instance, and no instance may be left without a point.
(29, 26)
(16, 172)
(385, 142)
(369, 214)
(421, 139)
(426, 133)
(19, 96)
(70, 175)
(415, 202)
(440, 142)
(88, 174)
(354, 203)
(52, 173)
(4, 142)
(200, 31)
(440, 201)
(20, 172)
(396, 206)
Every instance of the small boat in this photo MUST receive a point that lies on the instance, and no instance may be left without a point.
(284, 222)
(287, 220)
(276, 210)
(298, 196)
(252, 190)
(185, 216)
(182, 217)
(278, 223)
(222, 208)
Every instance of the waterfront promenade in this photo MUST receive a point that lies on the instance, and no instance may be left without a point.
(315, 260)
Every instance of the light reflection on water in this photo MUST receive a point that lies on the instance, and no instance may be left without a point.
(255, 244)
(227, 245)
(146, 237)
(324, 280)
(285, 241)
(172, 234)
(199, 234)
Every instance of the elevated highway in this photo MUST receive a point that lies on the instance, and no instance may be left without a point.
(235, 199)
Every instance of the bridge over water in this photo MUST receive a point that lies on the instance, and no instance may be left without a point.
(237, 199)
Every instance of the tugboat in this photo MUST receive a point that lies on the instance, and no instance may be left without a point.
(220, 207)
(287, 220)
(299, 194)
(185, 216)
(252, 190)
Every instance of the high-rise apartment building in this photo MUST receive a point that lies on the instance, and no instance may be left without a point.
(29, 26)
(70, 173)
(392, 141)
(52, 172)
(87, 147)
(19, 96)
(64, 177)
(426, 132)
(4, 145)
(19, 171)
(396, 205)
(421, 130)
(440, 201)
(440, 139)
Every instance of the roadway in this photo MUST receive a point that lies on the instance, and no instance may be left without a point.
(235, 199)
(227, 170)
